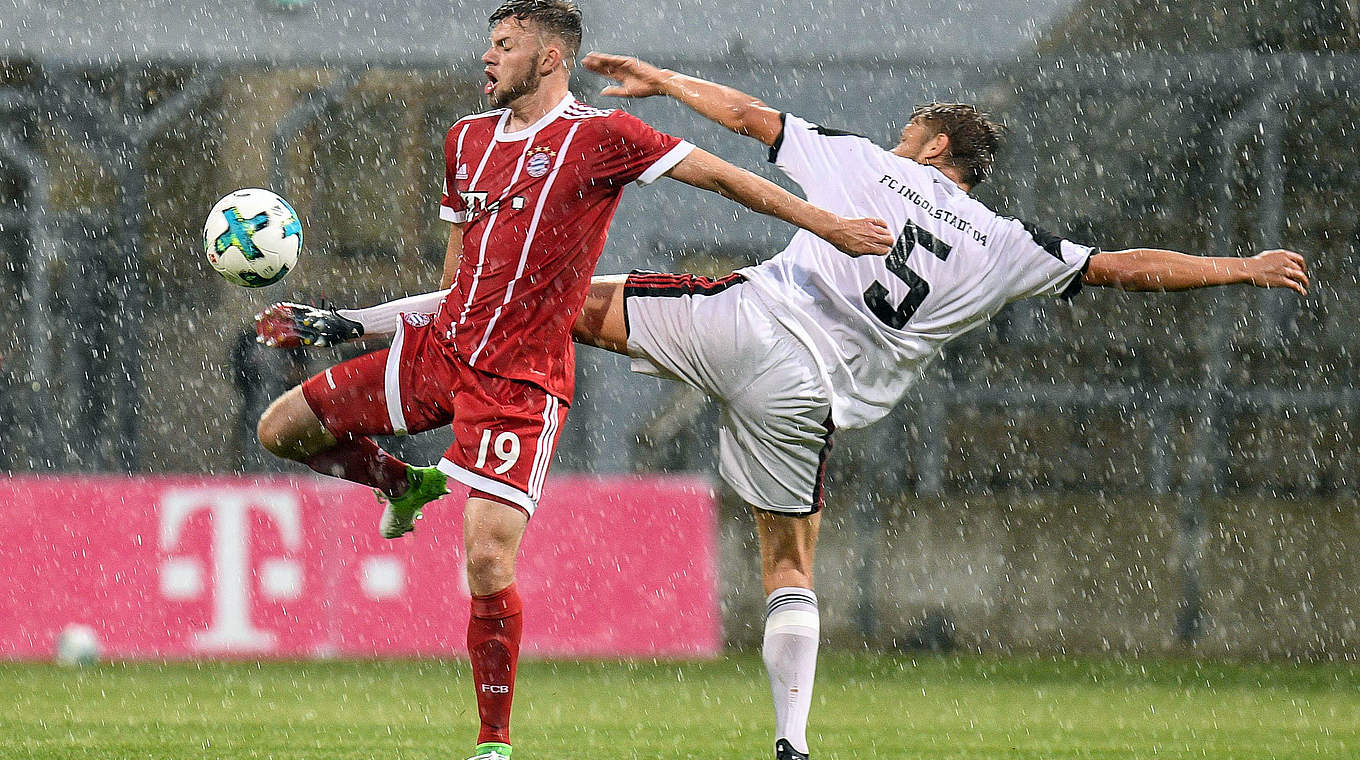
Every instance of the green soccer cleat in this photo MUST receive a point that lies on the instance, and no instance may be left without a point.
(491, 751)
(400, 513)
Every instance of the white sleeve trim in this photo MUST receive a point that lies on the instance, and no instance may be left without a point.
(777, 147)
(666, 163)
(1067, 285)
(449, 215)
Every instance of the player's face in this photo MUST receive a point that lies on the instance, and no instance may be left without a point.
(512, 62)
(916, 136)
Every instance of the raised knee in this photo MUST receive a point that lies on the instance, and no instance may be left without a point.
(269, 431)
(278, 431)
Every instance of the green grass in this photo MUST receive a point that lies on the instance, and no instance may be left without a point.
(866, 707)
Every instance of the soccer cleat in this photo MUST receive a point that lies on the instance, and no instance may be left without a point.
(785, 751)
(290, 325)
(491, 751)
(401, 512)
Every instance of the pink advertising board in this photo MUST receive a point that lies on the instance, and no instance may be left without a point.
(187, 567)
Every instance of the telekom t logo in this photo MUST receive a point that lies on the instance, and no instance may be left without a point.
(182, 576)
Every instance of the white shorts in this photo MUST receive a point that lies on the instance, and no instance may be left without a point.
(718, 336)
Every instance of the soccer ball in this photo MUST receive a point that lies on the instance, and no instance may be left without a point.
(252, 237)
(77, 644)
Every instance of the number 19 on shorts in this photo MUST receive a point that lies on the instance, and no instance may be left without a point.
(505, 447)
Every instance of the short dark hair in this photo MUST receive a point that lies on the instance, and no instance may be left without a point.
(973, 137)
(558, 17)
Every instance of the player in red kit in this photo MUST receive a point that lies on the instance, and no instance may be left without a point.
(530, 189)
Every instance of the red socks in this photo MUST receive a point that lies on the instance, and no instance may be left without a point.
(493, 645)
(362, 461)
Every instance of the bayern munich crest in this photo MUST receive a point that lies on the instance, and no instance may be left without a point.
(416, 319)
(540, 160)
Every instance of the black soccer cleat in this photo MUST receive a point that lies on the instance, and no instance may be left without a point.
(785, 751)
(290, 325)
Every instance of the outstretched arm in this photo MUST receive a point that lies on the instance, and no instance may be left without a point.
(745, 115)
(1161, 270)
(728, 106)
(853, 236)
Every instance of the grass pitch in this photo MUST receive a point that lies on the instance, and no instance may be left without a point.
(866, 707)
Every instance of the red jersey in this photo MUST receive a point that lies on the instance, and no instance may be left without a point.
(535, 207)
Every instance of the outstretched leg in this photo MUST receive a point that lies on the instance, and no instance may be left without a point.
(792, 625)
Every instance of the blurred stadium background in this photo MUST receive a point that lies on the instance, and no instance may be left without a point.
(1126, 474)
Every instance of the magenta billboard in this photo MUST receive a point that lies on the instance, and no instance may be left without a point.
(246, 567)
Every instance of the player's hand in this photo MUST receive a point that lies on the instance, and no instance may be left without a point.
(636, 79)
(291, 325)
(860, 237)
(1278, 269)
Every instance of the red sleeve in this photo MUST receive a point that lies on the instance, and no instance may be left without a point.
(452, 207)
(629, 150)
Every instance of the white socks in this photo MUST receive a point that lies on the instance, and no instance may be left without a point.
(382, 319)
(792, 630)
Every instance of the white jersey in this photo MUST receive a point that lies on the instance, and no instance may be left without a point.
(874, 322)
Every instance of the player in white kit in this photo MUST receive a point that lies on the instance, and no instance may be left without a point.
(812, 339)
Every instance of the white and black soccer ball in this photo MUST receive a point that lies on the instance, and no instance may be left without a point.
(77, 645)
(252, 237)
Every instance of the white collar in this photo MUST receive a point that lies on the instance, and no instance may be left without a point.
(527, 132)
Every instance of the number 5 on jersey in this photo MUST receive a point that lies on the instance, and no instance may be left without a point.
(876, 295)
(506, 449)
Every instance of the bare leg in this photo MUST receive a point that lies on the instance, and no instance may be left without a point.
(492, 532)
(601, 322)
(792, 625)
(787, 548)
(290, 429)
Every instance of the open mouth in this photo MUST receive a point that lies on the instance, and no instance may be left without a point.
(490, 83)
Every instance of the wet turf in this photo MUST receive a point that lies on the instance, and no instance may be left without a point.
(866, 707)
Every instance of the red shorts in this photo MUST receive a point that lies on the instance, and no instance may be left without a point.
(504, 431)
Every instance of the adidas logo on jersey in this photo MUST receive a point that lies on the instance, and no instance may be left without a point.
(462, 172)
